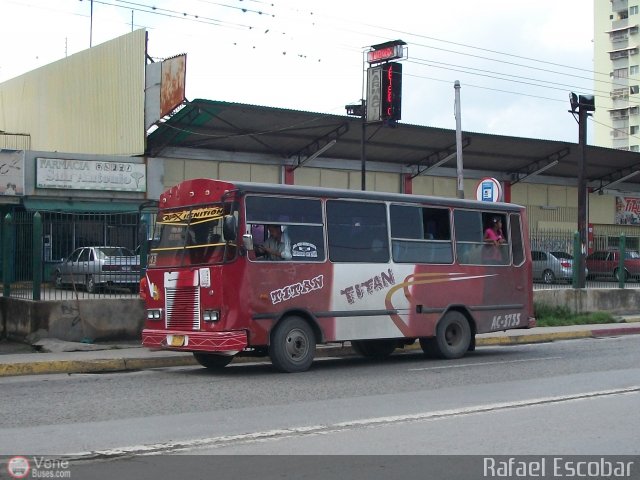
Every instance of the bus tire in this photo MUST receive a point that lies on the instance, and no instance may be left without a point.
(212, 361)
(293, 345)
(374, 348)
(453, 336)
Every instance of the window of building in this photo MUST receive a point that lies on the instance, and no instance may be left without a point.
(634, 89)
(634, 110)
(633, 10)
(620, 73)
(633, 148)
(633, 129)
(634, 70)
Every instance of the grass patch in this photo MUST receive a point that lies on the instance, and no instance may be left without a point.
(551, 316)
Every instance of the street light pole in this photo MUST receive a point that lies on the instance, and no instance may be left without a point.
(91, 27)
(460, 182)
(582, 195)
(363, 157)
(584, 104)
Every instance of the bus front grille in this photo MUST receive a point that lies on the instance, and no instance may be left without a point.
(183, 308)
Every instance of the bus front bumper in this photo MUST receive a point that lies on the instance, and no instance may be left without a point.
(187, 341)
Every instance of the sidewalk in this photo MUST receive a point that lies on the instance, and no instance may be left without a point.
(20, 359)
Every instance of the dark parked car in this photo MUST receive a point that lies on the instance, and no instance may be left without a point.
(96, 267)
(551, 267)
(606, 263)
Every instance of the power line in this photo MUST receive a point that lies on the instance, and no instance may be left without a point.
(270, 11)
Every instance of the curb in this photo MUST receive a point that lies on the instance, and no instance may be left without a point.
(129, 364)
(535, 338)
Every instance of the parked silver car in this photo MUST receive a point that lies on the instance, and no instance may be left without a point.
(97, 267)
(550, 267)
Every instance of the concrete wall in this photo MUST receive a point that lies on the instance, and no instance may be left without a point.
(122, 319)
(75, 320)
(617, 301)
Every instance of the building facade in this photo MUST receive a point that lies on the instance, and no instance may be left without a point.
(617, 74)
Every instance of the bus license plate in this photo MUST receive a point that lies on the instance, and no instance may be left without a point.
(176, 340)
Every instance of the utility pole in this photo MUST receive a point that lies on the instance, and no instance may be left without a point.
(363, 143)
(584, 104)
(460, 183)
(91, 26)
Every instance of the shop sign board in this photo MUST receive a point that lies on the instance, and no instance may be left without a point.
(73, 174)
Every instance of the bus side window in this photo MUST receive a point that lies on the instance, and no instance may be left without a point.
(357, 231)
(420, 234)
(307, 243)
(469, 236)
(517, 246)
(495, 227)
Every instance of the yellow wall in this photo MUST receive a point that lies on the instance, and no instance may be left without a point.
(177, 170)
(89, 102)
(547, 204)
(602, 208)
(376, 181)
(443, 187)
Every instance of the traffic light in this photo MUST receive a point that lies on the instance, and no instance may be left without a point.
(391, 91)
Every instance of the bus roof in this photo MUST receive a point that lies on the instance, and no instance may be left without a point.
(298, 190)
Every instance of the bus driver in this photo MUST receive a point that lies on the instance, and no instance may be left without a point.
(275, 247)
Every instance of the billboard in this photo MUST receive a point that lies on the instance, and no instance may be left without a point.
(627, 211)
(165, 87)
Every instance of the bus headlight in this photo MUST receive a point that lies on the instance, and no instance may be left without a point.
(211, 316)
(154, 314)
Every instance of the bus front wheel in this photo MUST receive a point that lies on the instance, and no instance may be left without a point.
(293, 345)
(453, 337)
(212, 361)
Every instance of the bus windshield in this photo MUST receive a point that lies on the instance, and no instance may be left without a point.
(191, 236)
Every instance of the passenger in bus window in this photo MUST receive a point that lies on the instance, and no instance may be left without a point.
(494, 237)
(493, 234)
(276, 247)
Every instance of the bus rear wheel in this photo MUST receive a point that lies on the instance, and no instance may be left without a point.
(453, 337)
(293, 345)
(374, 348)
(212, 361)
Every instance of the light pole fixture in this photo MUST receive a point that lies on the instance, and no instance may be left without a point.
(583, 104)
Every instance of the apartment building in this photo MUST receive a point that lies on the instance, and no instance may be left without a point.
(617, 74)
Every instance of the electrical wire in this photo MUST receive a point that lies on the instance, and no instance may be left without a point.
(270, 8)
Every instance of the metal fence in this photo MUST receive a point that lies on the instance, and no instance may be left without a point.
(53, 255)
(551, 249)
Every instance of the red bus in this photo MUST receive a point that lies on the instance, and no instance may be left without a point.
(378, 270)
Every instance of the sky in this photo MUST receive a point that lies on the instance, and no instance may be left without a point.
(516, 61)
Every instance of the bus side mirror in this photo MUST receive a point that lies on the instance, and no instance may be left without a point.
(229, 227)
(247, 241)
